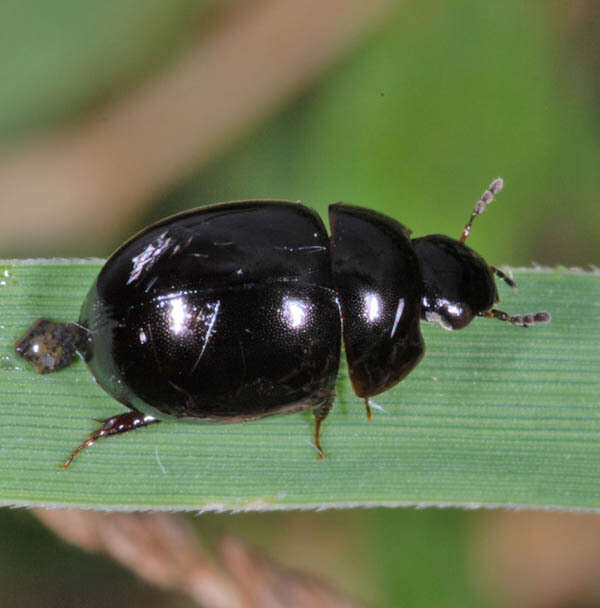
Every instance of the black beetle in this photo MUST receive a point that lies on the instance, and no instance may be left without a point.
(236, 311)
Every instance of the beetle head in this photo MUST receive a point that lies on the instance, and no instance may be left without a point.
(458, 284)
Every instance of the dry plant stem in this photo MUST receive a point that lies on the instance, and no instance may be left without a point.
(266, 585)
(94, 174)
(538, 559)
(160, 548)
(164, 550)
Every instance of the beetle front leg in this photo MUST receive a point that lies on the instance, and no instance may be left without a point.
(504, 277)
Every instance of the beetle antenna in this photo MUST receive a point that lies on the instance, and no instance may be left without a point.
(486, 198)
(503, 276)
(519, 320)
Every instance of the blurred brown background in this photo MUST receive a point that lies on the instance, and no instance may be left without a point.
(114, 114)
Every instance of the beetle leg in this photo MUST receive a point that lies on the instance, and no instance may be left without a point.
(320, 414)
(486, 198)
(121, 423)
(368, 409)
(502, 276)
(520, 320)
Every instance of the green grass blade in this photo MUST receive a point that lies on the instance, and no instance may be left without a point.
(494, 415)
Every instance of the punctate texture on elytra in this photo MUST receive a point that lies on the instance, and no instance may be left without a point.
(225, 312)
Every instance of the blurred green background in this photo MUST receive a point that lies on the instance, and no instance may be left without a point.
(415, 114)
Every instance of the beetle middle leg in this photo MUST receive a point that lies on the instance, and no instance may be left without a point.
(320, 413)
(367, 408)
(121, 423)
(520, 320)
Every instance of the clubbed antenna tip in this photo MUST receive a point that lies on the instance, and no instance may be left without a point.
(486, 198)
(496, 186)
(522, 320)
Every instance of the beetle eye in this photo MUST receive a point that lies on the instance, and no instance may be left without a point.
(450, 315)
(458, 315)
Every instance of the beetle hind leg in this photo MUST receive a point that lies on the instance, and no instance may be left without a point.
(519, 320)
(121, 423)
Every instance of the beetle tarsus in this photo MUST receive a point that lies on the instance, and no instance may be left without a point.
(368, 408)
(320, 453)
(321, 412)
(121, 423)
